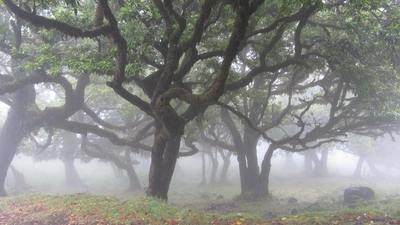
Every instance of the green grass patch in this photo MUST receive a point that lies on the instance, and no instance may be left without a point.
(90, 209)
(321, 203)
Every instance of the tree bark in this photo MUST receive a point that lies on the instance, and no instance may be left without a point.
(155, 188)
(246, 153)
(251, 138)
(263, 186)
(243, 172)
(321, 166)
(308, 163)
(7, 151)
(289, 163)
(72, 178)
(248, 162)
(225, 166)
(19, 179)
(203, 170)
(240, 149)
(134, 183)
(69, 147)
(13, 132)
(357, 171)
(163, 159)
(214, 167)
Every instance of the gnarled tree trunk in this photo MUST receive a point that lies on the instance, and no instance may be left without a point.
(163, 159)
(72, 178)
(251, 138)
(225, 166)
(262, 190)
(246, 153)
(13, 132)
(321, 165)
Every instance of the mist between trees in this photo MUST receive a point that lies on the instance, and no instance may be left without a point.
(167, 79)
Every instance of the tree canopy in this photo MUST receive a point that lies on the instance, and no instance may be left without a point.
(295, 73)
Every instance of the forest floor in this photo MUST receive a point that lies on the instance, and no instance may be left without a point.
(297, 200)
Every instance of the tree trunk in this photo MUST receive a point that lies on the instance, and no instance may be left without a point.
(8, 148)
(163, 159)
(155, 188)
(69, 147)
(214, 167)
(357, 171)
(203, 170)
(241, 158)
(13, 132)
(72, 178)
(263, 186)
(117, 164)
(251, 138)
(169, 162)
(248, 162)
(19, 180)
(289, 163)
(134, 183)
(247, 153)
(240, 148)
(321, 166)
(118, 172)
(224, 171)
(373, 169)
(308, 163)
(324, 161)
(252, 109)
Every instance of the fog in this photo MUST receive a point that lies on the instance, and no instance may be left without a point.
(99, 178)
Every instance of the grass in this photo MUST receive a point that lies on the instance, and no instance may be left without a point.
(91, 209)
(104, 201)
